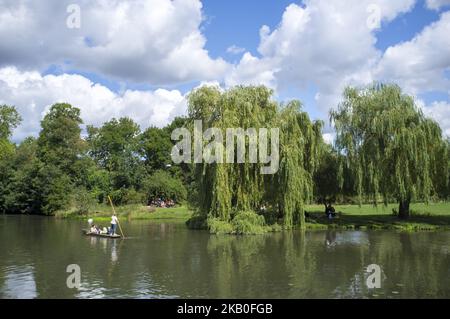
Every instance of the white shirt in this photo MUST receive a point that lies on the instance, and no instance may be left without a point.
(114, 220)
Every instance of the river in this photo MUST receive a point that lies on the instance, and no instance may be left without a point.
(167, 260)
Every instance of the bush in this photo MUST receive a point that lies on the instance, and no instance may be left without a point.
(248, 223)
(162, 185)
(84, 201)
(134, 197)
(126, 196)
(243, 223)
(217, 226)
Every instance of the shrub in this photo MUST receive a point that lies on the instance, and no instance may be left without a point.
(162, 185)
(248, 223)
(217, 226)
(84, 201)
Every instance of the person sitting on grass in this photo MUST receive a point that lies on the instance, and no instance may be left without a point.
(330, 211)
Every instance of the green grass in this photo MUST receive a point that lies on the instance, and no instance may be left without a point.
(433, 216)
(423, 217)
(131, 212)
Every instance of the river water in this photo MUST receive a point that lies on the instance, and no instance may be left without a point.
(167, 260)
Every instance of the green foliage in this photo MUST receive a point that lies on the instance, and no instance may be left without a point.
(156, 145)
(84, 201)
(248, 223)
(115, 149)
(218, 226)
(390, 146)
(162, 185)
(55, 187)
(59, 141)
(243, 223)
(223, 188)
(9, 120)
(385, 149)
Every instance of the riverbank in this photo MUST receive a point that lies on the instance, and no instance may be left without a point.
(131, 212)
(433, 216)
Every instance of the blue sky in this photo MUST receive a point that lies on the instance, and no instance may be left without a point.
(252, 14)
(140, 58)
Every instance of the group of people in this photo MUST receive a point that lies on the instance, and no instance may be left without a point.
(159, 202)
(95, 229)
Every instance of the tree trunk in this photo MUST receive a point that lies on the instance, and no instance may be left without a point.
(403, 209)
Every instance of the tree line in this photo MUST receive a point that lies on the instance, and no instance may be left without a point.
(61, 168)
(385, 150)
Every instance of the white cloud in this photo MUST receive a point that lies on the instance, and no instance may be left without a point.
(33, 94)
(253, 71)
(437, 4)
(440, 112)
(327, 44)
(419, 65)
(152, 41)
(235, 49)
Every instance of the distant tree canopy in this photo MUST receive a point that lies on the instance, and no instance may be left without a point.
(390, 146)
(385, 148)
(224, 190)
(9, 120)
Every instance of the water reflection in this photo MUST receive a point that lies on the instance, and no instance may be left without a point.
(168, 261)
(19, 283)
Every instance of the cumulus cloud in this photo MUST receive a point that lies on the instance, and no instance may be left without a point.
(33, 94)
(152, 41)
(328, 44)
(440, 112)
(234, 49)
(437, 4)
(420, 65)
(331, 44)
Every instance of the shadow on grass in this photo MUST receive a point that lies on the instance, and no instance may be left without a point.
(381, 221)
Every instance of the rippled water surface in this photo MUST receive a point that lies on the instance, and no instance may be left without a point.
(166, 260)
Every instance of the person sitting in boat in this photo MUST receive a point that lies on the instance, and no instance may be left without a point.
(104, 231)
(94, 229)
(114, 222)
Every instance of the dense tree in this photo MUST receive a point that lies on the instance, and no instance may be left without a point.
(441, 171)
(9, 119)
(389, 144)
(162, 185)
(59, 141)
(224, 190)
(114, 147)
(385, 148)
(156, 145)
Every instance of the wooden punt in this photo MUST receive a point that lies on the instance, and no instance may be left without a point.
(88, 233)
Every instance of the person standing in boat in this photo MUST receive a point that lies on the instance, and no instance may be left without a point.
(114, 221)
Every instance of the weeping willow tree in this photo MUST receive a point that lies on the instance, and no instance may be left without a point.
(227, 190)
(390, 145)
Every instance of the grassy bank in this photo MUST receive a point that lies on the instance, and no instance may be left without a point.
(131, 212)
(423, 217)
